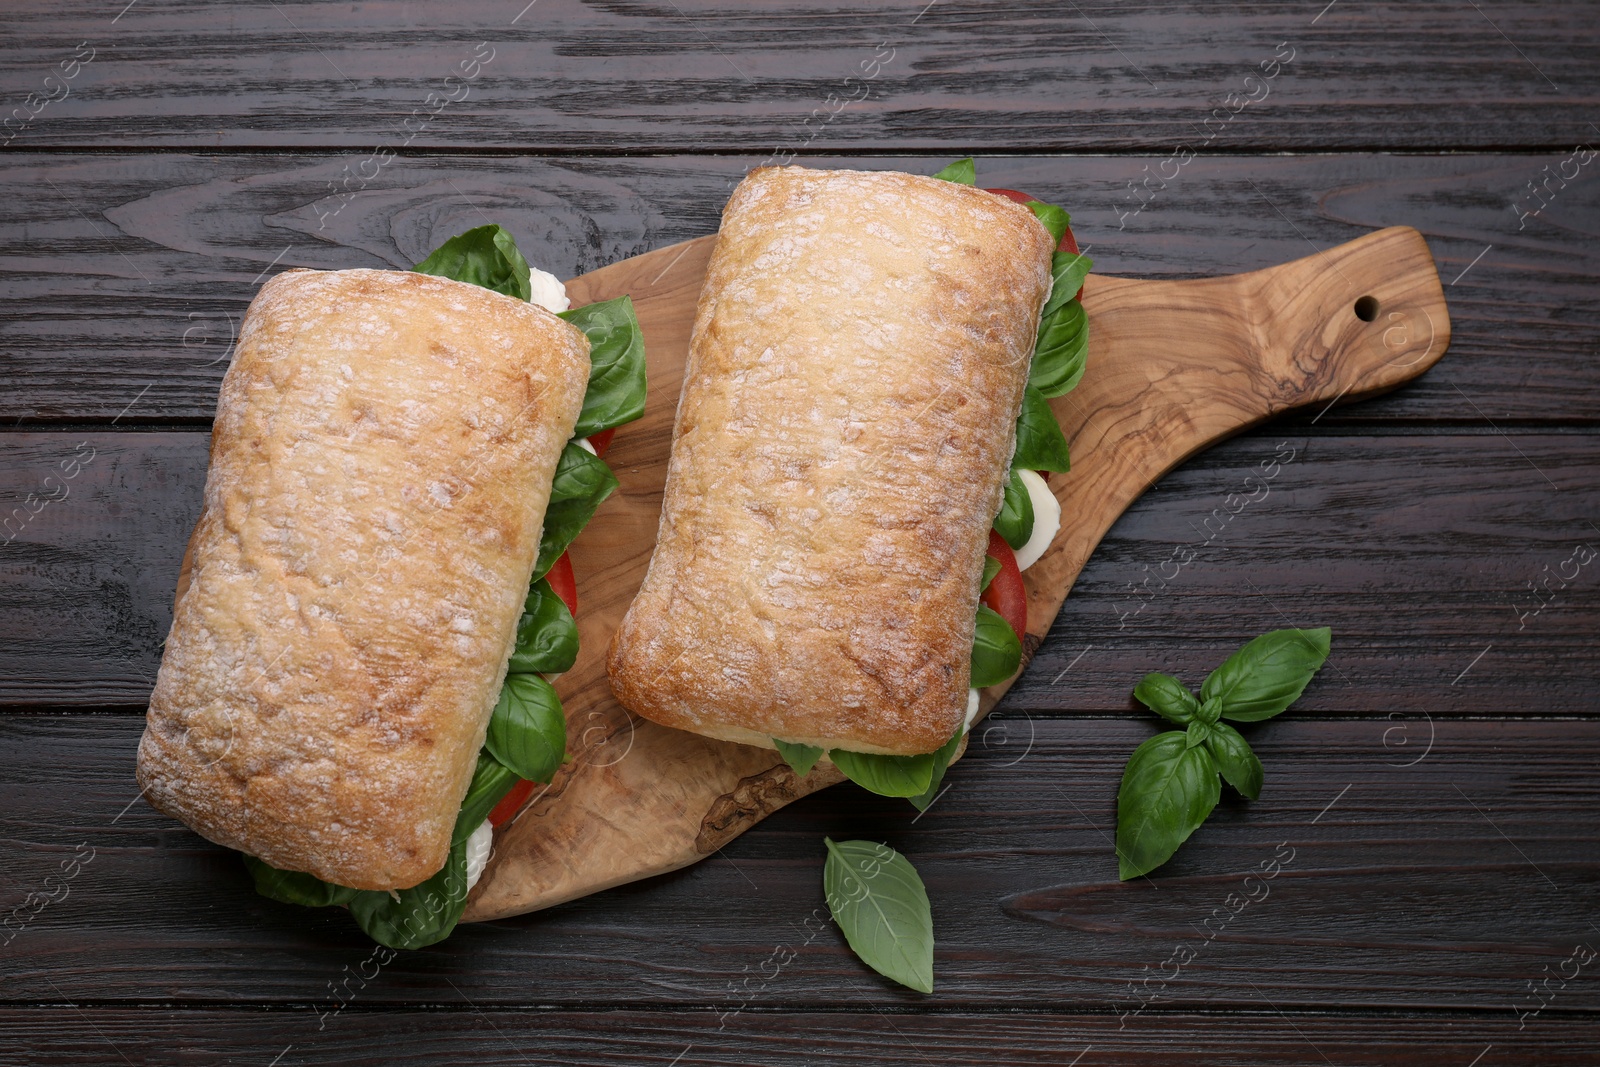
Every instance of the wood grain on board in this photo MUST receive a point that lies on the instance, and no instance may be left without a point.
(699, 75)
(123, 277)
(1422, 865)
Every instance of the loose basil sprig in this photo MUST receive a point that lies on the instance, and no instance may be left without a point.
(1170, 784)
(881, 905)
(527, 735)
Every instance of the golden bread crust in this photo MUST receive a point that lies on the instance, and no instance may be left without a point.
(380, 464)
(846, 424)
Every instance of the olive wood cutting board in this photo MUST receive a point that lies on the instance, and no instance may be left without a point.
(1173, 367)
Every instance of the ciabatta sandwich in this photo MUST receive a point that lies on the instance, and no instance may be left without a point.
(854, 460)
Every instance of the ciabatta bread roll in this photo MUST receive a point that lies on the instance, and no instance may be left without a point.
(847, 422)
(380, 465)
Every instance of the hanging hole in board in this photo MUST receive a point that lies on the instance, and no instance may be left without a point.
(1367, 308)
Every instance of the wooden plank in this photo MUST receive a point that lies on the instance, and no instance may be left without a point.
(1418, 549)
(699, 75)
(1450, 883)
(94, 527)
(122, 277)
(67, 1034)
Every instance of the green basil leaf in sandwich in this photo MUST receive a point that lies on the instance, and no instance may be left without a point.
(547, 635)
(485, 256)
(528, 732)
(1041, 446)
(616, 358)
(581, 483)
(1015, 521)
(996, 650)
(962, 172)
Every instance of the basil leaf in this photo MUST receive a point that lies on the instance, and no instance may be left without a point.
(888, 776)
(1235, 759)
(1267, 674)
(424, 914)
(491, 781)
(1167, 697)
(1015, 521)
(295, 887)
(1055, 219)
(962, 172)
(1067, 271)
(1041, 446)
(996, 649)
(1061, 352)
(800, 758)
(528, 731)
(991, 567)
(882, 907)
(485, 256)
(1167, 791)
(547, 637)
(581, 482)
(616, 364)
(941, 763)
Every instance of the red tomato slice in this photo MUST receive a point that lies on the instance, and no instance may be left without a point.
(565, 585)
(512, 802)
(1006, 595)
(602, 440)
(1068, 242)
(1012, 194)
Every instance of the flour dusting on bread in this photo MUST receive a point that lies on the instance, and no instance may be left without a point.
(854, 376)
(380, 464)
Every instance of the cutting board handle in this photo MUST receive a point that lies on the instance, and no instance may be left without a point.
(1176, 366)
(1356, 320)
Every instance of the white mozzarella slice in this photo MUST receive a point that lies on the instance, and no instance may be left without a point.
(548, 292)
(1046, 519)
(479, 845)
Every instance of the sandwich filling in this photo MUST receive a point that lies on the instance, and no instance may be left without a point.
(527, 731)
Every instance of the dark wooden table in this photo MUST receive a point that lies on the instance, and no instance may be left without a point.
(1435, 788)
